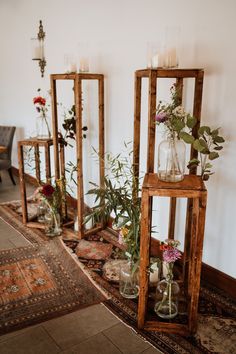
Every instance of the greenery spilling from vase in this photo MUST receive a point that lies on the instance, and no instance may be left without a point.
(179, 126)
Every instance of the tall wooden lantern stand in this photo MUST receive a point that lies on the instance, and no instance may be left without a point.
(78, 79)
(192, 188)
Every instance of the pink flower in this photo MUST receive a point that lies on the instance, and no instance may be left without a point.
(171, 255)
(161, 117)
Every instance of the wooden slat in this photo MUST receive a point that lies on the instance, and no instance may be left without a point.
(197, 105)
(199, 208)
(79, 152)
(151, 121)
(172, 207)
(35, 225)
(82, 76)
(37, 162)
(169, 73)
(94, 230)
(137, 117)
(144, 258)
(166, 327)
(47, 163)
(22, 182)
(55, 126)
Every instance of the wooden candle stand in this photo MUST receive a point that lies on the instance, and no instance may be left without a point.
(78, 79)
(191, 188)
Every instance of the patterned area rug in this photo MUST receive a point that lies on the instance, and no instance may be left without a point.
(217, 313)
(41, 281)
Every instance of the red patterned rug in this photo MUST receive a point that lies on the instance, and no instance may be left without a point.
(217, 313)
(41, 281)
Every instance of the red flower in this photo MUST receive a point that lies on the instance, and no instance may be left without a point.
(39, 100)
(47, 190)
(164, 247)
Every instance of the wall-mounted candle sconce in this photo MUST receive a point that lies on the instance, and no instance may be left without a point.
(38, 48)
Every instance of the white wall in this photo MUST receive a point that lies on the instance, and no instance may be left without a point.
(118, 32)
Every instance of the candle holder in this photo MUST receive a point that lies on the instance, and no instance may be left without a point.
(38, 48)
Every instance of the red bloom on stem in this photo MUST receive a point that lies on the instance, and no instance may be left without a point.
(164, 247)
(39, 100)
(47, 190)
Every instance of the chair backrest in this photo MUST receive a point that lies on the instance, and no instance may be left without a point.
(6, 139)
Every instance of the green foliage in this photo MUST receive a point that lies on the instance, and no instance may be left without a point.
(117, 197)
(69, 125)
(207, 144)
(178, 122)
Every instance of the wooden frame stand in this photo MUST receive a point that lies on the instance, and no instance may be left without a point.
(78, 79)
(192, 187)
(36, 144)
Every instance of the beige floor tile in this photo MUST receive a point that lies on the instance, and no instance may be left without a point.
(80, 325)
(97, 344)
(126, 339)
(33, 341)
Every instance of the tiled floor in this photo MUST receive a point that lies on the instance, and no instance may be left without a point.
(93, 330)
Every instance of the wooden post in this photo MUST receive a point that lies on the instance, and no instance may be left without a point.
(48, 163)
(151, 120)
(79, 151)
(55, 127)
(22, 184)
(37, 162)
(144, 258)
(137, 116)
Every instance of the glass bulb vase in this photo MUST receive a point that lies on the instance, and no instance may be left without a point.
(171, 160)
(167, 293)
(52, 223)
(42, 127)
(128, 284)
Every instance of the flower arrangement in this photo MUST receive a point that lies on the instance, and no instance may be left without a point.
(170, 254)
(52, 197)
(41, 107)
(168, 289)
(180, 124)
(173, 115)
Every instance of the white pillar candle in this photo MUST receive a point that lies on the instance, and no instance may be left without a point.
(154, 274)
(36, 49)
(83, 65)
(155, 61)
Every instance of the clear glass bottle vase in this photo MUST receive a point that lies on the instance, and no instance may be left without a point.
(171, 159)
(41, 211)
(52, 223)
(42, 127)
(167, 294)
(128, 284)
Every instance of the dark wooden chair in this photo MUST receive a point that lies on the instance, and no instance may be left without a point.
(6, 139)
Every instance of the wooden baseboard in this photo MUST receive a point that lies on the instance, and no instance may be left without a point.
(213, 276)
